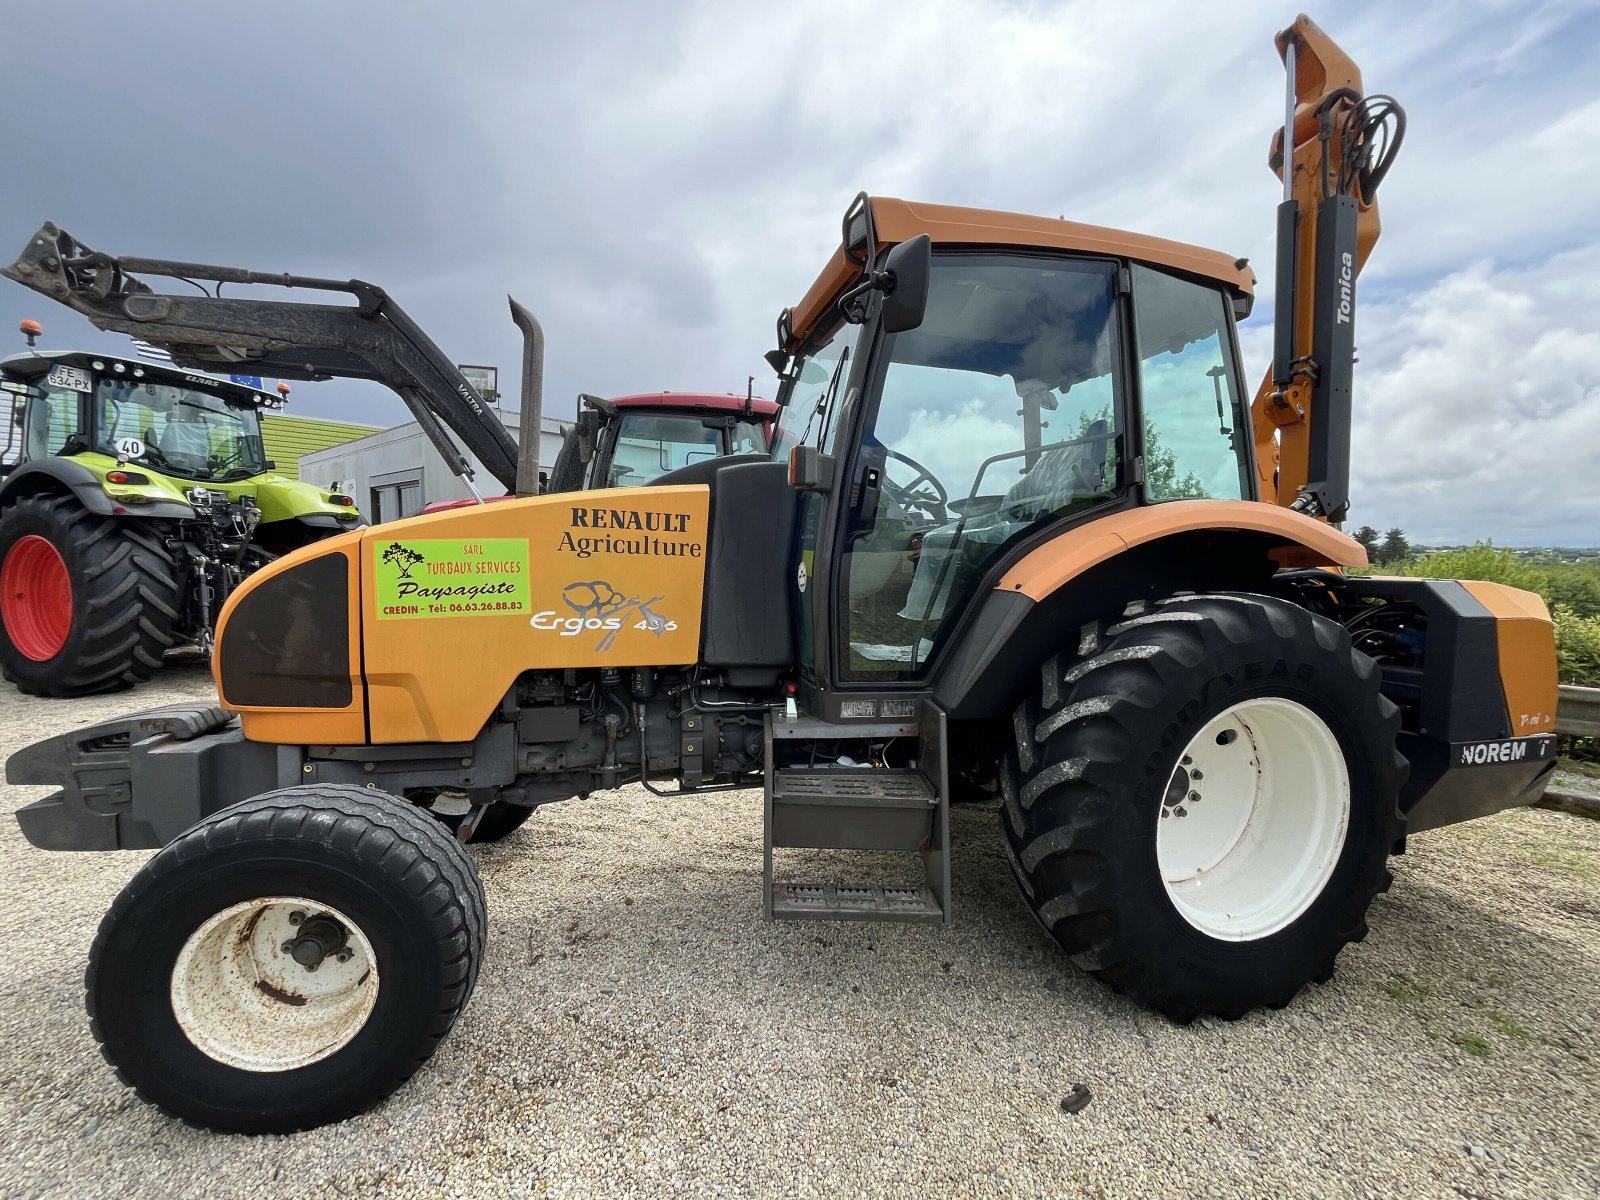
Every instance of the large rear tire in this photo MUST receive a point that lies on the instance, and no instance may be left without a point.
(289, 961)
(1200, 809)
(87, 603)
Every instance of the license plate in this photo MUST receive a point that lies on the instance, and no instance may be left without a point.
(73, 379)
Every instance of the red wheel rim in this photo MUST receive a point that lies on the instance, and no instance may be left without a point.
(36, 598)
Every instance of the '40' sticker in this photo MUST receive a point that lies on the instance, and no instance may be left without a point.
(452, 577)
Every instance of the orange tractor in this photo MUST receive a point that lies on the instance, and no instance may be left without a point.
(1022, 529)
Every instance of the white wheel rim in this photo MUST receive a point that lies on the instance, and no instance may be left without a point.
(1254, 819)
(242, 998)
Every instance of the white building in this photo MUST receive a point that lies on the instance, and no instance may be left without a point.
(395, 472)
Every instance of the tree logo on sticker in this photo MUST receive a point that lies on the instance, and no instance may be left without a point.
(402, 558)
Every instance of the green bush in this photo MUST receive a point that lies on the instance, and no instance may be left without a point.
(1481, 561)
(1576, 585)
(1578, 647)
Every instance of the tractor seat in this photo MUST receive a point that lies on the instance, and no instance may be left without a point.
(1066, 472)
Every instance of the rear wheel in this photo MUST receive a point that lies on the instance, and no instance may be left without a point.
(289, 961)
(88, 603)
(1200, 810)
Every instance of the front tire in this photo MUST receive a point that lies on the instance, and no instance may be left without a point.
(288, 962)
(88, 602)
(1200, 810)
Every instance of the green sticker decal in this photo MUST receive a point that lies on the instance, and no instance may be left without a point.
(452, 577)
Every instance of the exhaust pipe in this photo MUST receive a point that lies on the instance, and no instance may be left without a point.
(530, 426)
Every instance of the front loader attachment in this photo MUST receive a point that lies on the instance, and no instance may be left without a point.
(372, 339)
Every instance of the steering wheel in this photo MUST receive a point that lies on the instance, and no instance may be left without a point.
(923, 494)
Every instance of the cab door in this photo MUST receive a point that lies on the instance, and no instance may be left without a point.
(820, 380)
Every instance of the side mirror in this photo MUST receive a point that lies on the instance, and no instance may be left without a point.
(909, 266)
(585, 428)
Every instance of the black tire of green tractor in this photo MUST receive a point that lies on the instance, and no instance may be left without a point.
(391, 869)
(1095, 749)
(125, 599)
(499, 822)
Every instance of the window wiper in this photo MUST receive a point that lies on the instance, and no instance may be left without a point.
(826, 399)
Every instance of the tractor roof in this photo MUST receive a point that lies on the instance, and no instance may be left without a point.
(713, 401)
(900, 220)
(32, 363)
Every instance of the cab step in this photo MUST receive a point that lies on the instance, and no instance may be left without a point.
(860, 808)
(841, 902)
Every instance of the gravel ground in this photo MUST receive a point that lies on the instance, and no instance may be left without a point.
(638, 1030)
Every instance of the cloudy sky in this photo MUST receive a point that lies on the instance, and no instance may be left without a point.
(657, 179)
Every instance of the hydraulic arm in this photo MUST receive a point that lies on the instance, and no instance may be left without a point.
(372, 339)
(1341, 144)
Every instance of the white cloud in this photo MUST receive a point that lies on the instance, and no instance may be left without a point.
(1478, 406)
(656, 181)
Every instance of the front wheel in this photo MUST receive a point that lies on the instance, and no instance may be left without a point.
(1201, 810)
(289, 961)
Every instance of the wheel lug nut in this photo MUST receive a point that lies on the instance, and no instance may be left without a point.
(1193, 796)
(1196, 775)
(1185, 761)
(296, 917)
(1182, 812)
(288, 947)
(346, 955)
(1165, 813)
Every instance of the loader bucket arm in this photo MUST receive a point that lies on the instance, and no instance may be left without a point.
(373, 338)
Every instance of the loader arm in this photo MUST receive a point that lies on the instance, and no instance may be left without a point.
(1343, 143)
(372, 339)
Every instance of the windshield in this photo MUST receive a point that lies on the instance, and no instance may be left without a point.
(651, 444)
(178, 430)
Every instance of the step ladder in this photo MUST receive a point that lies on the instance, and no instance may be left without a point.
(860, 808)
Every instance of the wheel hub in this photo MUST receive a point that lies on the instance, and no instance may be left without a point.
(36, 598)
(1261, 848)
(274, 984)
(319, 937)
(1181, 789)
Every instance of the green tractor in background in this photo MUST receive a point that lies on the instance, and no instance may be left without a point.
(134, 499)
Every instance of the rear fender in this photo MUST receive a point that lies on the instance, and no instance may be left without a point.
(66, 477)
(1040, 604)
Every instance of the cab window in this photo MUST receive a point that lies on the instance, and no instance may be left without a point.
(1194, 431)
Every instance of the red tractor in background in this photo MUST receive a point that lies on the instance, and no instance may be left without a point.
(629, 440)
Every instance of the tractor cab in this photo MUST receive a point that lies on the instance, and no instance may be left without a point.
(629, 441)
(991, 380)
(179, 424)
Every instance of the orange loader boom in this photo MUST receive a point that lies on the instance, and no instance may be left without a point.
(1343, 143)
